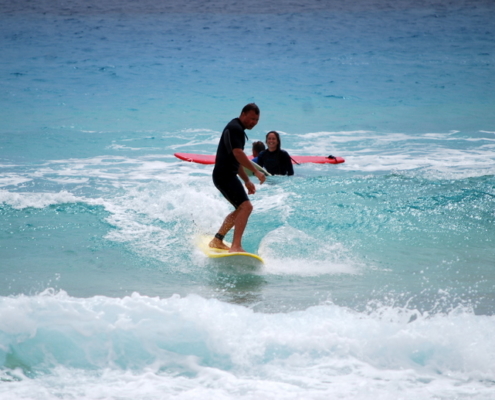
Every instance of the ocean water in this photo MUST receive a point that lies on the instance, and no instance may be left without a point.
(379, 280)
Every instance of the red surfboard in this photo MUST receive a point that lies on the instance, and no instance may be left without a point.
(210, 159)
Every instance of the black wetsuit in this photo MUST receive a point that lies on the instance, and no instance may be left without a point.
(226, 165)
(276, 162)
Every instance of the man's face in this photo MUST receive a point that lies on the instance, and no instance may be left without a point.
(249, 119)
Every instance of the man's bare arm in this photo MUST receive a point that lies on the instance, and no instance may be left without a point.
(243, 159)
(246, 162)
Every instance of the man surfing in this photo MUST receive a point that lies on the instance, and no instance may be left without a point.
(229, 163)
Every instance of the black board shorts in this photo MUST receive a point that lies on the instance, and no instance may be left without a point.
(232, 189)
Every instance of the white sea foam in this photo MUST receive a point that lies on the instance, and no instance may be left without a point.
(157, 216)
(429, 152)
(324, 134)
(122, 147)
(13, 180)
(288, 251)
(64, 181)
(135, 347)
(273, 199)
(36, 200)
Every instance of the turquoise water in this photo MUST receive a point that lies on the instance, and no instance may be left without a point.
(379, 275)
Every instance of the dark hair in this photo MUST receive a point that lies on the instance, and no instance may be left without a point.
(279, 144)
(251, 107)
(258, 146)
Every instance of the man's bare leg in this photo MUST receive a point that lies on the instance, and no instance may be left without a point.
(240, 222)
(237, 218)
(227, 225)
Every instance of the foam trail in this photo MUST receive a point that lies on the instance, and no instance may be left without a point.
(289, 251)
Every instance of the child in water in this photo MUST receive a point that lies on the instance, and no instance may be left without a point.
(258, 147)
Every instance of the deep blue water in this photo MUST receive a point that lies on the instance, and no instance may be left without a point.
(379, 279)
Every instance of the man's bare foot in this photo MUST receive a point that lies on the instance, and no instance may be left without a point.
(237, 250)
(218, 244)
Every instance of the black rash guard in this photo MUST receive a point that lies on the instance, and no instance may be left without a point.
(227, 166)
(276, 162)
(233, 137)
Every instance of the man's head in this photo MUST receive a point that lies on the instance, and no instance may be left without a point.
(250, 115)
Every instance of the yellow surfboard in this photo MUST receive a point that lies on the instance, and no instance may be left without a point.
(224, 255)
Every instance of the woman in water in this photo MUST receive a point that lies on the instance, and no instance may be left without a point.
(275, 160)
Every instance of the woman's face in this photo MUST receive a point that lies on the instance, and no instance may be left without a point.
(272, 142)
